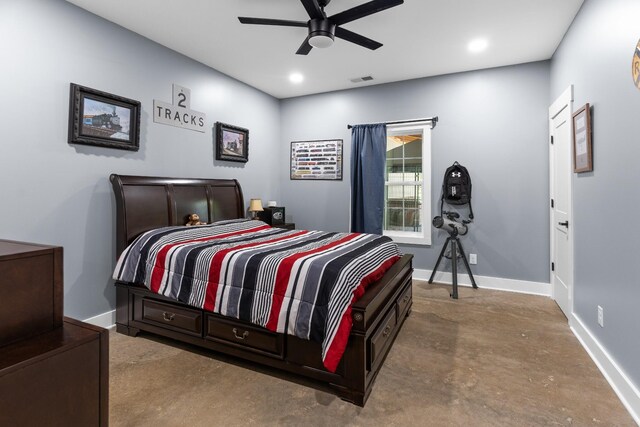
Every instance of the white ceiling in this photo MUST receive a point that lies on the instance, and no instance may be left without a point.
(421, 38)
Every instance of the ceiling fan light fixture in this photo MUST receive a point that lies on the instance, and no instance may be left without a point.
(321, 41)
(321, 33)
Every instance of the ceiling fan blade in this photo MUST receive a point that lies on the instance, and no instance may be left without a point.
(304, 48)
(313, 9)
(352, 37)
(266, 21)
(363, 10)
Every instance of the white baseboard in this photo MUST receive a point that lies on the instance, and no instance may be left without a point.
(105, 320)
(487, 282)
(621, 384)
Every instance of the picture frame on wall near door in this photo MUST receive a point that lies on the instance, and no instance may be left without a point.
(582, 146)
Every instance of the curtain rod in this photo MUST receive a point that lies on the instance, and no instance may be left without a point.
(433, 120)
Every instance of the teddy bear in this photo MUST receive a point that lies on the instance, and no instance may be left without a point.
(194, 219)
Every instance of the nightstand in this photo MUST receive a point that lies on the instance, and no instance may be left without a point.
(286, 226)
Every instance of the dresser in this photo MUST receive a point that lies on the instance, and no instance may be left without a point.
(54, 371)
(31, 290)
(58, 378)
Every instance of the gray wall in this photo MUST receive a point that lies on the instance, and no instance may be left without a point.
(493, 121)
(595, 56)
(57, 193)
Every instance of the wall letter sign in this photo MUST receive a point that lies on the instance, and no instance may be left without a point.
(179, 114)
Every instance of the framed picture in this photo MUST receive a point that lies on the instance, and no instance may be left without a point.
(582, 149)
(316, 160)
(103, 119)
(232, 143)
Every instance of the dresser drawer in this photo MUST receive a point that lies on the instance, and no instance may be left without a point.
(252, 338)
(170, 316)
(382, 337)
(404, 301)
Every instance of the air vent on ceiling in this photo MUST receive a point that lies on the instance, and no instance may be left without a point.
(361, 79)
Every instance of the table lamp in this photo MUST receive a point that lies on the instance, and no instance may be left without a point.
(255, 206)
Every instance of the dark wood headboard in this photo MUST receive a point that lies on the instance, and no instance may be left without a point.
(145, 202)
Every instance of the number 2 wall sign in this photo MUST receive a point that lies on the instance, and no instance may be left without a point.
(179, 114)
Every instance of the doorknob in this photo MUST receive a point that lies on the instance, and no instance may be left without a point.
(564, 224)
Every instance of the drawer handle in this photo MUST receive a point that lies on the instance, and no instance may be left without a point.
(240, 337)
(168, 316)
(386, 331)
(406, 298)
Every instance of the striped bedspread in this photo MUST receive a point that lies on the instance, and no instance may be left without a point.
(289, 281)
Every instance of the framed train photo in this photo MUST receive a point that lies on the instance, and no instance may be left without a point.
(316, 160)
(103, 119)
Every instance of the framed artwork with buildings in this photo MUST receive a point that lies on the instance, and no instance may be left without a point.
(103, 119)
(232, 143)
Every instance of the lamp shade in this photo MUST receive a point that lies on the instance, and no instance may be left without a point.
(255, 205)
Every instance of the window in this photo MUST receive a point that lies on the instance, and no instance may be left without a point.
(407, 191)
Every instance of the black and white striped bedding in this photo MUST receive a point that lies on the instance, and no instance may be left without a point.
(289, 281)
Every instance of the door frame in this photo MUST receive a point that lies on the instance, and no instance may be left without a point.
(565, 100)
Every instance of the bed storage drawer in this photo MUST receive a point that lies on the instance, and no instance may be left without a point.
(249, 337)
(169, 316)
(404, 301)
(382, 337)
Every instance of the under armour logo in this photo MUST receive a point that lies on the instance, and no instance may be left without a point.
(456, 174)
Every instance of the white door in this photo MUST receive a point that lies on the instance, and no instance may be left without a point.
(560, 124)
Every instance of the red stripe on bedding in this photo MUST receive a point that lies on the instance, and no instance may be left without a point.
(215, 267)
(284, 273)
(339, 343)
(159, 266)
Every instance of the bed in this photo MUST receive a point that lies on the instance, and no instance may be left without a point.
(145, 204)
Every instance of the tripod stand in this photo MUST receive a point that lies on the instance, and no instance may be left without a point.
(455, 247)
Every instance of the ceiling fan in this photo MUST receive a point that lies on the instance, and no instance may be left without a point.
(323, 29)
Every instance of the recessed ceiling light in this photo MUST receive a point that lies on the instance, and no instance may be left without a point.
(477, 45)
(296, 78)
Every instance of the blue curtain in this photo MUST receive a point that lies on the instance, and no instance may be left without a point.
(368, 156)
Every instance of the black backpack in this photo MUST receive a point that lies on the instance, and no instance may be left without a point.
(456, 187)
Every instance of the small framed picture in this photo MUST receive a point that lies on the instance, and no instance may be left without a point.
(232, 143)
(582, 148)
(103, 119)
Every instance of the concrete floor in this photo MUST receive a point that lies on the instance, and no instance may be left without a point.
(490, 358)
